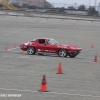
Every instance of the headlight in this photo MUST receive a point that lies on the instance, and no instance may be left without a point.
(25, 46)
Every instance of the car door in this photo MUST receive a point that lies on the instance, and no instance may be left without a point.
(52, 48)
(42, 47)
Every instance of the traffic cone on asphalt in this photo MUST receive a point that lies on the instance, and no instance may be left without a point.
(15, 46)
(21, 50)
(92, 46)
(59, 71)
(95, 58)
(74, 24)
(30, 22)
(6, 48)
(36, 21)
(69, 25)
(43, 87)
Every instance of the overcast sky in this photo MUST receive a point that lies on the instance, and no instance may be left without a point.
(85, 2)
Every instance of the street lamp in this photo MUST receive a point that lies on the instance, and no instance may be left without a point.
(89, 3)
(75, 5)
(95, 2)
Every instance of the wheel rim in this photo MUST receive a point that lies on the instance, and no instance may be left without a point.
(62, 53)
(30, 51)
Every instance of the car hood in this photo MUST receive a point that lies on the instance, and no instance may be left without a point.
(72, 47)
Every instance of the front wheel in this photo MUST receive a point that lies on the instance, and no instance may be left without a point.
(73, 54)
(62, 53)
(31, 50)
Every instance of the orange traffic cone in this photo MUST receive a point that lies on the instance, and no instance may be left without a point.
(74, 24)
(15, 46)
(69, 25)
(95, 58)
(30, 22)
(92, 46)
(59, 71)
(43, 87)
(36, 21)
(21, 50)
(6, 48)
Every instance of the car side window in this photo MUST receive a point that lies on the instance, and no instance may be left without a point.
(41, 41)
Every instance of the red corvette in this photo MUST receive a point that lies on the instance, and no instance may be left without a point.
(50, 46)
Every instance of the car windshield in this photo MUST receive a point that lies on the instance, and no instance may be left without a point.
(33, 40)
(52, 41)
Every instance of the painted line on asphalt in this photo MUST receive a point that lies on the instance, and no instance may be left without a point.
(43, 21)
(21, 29)
(15, 31)
(57, 93)
(13, 48)
(88, 60)
(68, 59)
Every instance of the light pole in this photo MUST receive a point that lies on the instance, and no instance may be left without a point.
(89, 3)
(75, 5)
(95, 2)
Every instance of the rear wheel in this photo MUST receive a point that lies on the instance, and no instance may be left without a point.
(73, 54)
(62, 53)
(31, 50)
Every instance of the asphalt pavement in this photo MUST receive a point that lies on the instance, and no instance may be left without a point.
(21, 74)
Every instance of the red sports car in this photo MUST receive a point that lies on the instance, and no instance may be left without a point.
(50, 46)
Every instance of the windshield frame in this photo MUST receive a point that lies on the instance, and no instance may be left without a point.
(52, 41)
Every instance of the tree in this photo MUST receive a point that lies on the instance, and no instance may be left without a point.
(92, 11)
(71, 8)
(62, 9)
(82, 7)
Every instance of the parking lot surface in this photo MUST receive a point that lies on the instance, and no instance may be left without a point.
(22, 74)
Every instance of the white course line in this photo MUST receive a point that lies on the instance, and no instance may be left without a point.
(13, 48)
(68, 59)
(57, 93)
(22, 29)
(43, 21)
(14, 31)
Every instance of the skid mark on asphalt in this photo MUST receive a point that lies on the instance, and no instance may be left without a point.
(47, 57)
(25, 57)
(22, 29)
(14, 32)
(56, 93)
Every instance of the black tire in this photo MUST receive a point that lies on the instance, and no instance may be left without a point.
(62, 53)
(31, 50)
(40, 54)
(74, 54)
